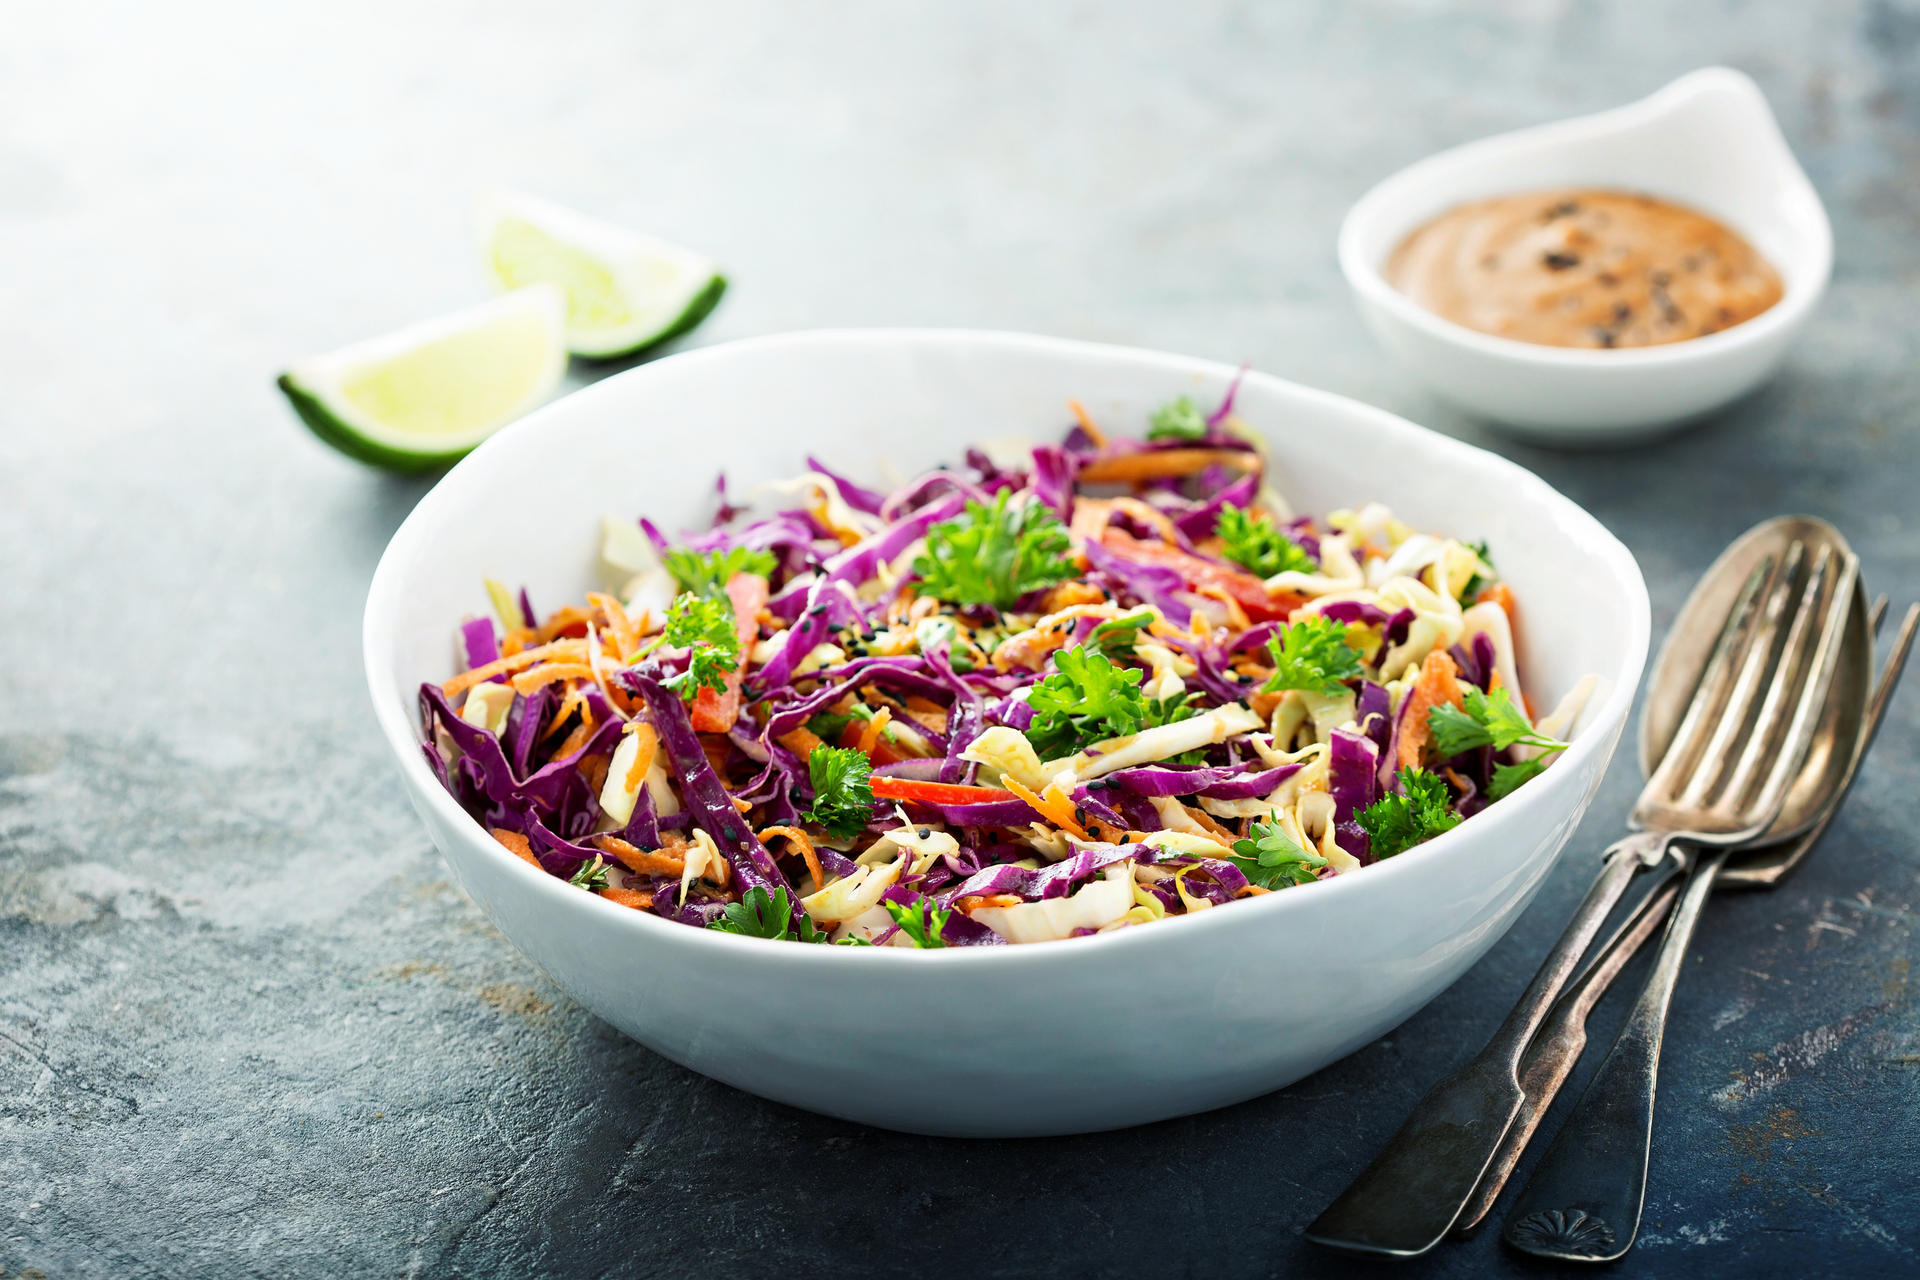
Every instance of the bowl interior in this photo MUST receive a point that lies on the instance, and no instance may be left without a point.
(526, 508)
(1708, 141)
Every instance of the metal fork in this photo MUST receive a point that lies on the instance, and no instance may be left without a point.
(1553, 1053)
(1551, 1057)
(1410, 1196)
(1584, 1200)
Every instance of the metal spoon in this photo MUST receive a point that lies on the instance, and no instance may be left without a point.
(1716, 787)
(1584, 1200)
(1551, 1057)
(1767, 866)
(1683, 658)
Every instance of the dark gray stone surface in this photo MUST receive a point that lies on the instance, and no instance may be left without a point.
(247, 1026)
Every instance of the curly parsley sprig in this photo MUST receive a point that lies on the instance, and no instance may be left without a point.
(921, 921)
(706, 573)
(1491, 720)
(994, 555)
(1178, 419)
(592, 876)
(1312, 655)
(1116, 637)
(842, 790)
(705, 627)
(1270, 858)
(1254, 542)
(1396, 823)
(760, 914)
(1089, 699)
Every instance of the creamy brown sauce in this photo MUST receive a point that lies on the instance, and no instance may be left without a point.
(1578, 268)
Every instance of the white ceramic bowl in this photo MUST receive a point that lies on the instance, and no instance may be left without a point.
(1096, 1033)
(1707, 140)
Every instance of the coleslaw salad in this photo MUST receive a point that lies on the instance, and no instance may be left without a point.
(1031, 698)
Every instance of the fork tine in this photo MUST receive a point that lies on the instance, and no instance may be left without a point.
(1711, 690)
(1794, 654)
(1753, 668)
(1813, 697)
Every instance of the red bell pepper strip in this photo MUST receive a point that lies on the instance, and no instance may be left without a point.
(716, 712)
(936, 792)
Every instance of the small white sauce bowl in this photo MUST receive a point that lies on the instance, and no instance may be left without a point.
(1708, 141)
(1057, 1037)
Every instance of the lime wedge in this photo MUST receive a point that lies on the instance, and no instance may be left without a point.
(426, 395)
(625, 291)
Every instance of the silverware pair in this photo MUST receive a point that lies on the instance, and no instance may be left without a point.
(1761, 755)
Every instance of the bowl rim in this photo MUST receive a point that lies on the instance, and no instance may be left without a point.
(411, 540)
(1365, 278)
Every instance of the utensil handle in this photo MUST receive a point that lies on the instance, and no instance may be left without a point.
(1403, 1203)
(1583, 1202)
(1558, 1045)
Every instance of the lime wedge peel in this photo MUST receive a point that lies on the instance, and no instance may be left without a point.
(626, 291)
(424, 396)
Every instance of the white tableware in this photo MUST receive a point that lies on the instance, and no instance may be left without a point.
(1095, 1033)
(1707, 141)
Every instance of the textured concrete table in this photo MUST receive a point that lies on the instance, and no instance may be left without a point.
(247, 1026)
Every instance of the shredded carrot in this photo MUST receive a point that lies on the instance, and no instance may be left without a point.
(594, 770)
(742, 805)
(547, 672)
(1053, 804)
(800, 741)
(628, 705)
(1236, 615)
(573, 649)
(1502, 594)
(1151, 516)
(516, 844)
(1252, 891)
(649, 739)
(628, 898)
(574, 700)
(568, 620)
(1067, 594)
(822, 512)
(1494, 682)
(1154, 464)
(1438, 683)
(800, 841)
(1094, 433)
(1264, 703)
(716, 752)
(645, 862)
(1090, 517)
(1208, 821)
(974, 901)
(577, 739)
(927, 712)
(626, 637)
(870, 736)
(879, 755)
